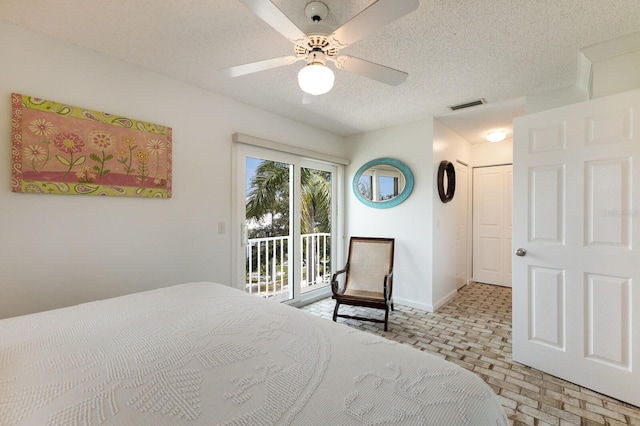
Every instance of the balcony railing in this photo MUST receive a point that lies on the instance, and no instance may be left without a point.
(267, 264)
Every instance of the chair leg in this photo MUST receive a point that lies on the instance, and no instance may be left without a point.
(386, 318)
(335, 311)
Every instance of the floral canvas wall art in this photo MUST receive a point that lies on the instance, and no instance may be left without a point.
(62, 149)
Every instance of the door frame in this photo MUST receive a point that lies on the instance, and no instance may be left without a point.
(460, 165)
(239, 200)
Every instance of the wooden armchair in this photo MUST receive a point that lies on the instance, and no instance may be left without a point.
(368, 277)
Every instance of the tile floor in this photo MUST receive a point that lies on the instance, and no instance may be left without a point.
(474, 331)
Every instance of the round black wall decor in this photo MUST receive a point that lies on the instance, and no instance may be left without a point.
(447, 168)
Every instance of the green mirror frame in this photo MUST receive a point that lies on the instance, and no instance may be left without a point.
(402, 168)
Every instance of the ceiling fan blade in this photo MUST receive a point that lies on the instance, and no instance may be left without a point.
(239, 70)
(373, 17)
(269, 13)
(369, 69)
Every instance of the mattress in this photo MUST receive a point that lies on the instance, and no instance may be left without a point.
(205, 354)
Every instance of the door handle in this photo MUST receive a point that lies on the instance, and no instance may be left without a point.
(244, 235)
(521, 252)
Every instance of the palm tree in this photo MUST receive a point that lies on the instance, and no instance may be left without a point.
(315, 200)
(268, 196)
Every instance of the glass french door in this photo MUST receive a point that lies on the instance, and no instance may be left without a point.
(287, 212)
(316, 223)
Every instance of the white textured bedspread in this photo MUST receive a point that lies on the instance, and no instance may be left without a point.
(206, 354)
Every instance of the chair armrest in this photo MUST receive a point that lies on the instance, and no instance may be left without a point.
(334, 279)
(388, 286)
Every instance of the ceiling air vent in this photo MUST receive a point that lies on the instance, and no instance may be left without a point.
(467, 104)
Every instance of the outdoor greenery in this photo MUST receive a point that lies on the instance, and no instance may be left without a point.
(267, 205)
(268, 200)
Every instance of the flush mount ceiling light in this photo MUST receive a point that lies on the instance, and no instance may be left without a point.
(496, 135)
(316, 78)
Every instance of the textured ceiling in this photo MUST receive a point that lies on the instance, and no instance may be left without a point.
(454, 51)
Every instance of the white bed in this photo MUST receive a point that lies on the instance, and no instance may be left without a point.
(204, 354)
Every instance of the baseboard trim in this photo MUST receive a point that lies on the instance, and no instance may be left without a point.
(424, 306)
(412, 304)
(440, 303)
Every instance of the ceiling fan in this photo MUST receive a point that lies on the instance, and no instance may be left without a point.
(320, 45)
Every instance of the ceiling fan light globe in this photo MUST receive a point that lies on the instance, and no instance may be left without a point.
(316, 79)
(316, 11)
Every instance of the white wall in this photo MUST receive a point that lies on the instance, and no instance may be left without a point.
(410, 222)
(604, 69)
(555, 99)
(424, 227)
(492, 153)
(615, 65)
(449, 146)
(616, 75)
(58, 250)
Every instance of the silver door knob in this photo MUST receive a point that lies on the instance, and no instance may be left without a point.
(521, 252)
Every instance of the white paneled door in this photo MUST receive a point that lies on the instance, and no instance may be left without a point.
(576, 290)
(492, 226)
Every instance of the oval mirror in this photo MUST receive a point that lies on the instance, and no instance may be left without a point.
(383, 183)
(446, 186)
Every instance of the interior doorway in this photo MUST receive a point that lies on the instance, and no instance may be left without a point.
(492, 224)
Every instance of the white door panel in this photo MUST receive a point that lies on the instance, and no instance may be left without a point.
(547, 195)
(575, 292)
(492, 224)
